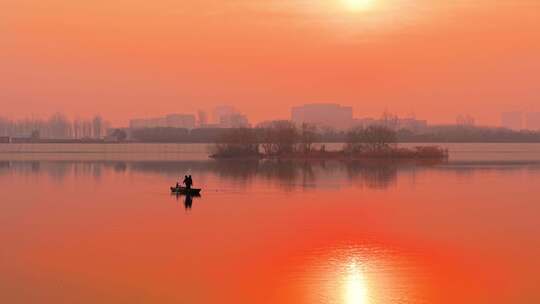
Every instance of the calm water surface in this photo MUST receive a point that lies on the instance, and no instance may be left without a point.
(102, 229)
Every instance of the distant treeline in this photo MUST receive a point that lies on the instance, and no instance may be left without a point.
(57, 128)
(469, 134)
(177, 135)
(441, 134)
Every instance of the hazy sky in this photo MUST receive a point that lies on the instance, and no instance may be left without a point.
(127, 58)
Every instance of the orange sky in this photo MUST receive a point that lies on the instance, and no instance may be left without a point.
(128, 58)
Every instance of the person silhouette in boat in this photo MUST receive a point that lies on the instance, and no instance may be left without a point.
(189, 182)
(186, 182)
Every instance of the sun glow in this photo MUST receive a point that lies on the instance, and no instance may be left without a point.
(358, 5)
(355, 289)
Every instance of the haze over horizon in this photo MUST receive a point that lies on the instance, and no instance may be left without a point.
(270, 151)
(125, 59)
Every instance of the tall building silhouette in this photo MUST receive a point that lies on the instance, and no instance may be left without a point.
(229, 117)
(533, 121)
(512, 120)
(170, 121)
(323, 114)
(203, 118)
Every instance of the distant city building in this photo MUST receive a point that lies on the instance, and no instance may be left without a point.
(412, 124)
(396, 123)
(533, 121)
(221, 111)
(323, 114)
(512, 120)
(265, 124)
(203, 119)
(148, 123)
(230, 117)
(186, 121)
(364, 122)
(234, 121)
(211, 126)
(465, 120)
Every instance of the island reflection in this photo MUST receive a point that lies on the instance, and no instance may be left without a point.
(287, 175)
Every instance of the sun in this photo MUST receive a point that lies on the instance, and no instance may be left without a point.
(358, 5)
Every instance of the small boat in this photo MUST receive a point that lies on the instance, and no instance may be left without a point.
(185, 191)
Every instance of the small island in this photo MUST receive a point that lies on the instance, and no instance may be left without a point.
(284, 140)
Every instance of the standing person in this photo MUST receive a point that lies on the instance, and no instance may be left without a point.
(186, 182)
(190, 182)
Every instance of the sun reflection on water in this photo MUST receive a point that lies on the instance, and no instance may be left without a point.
(355, 287)
(360, 275)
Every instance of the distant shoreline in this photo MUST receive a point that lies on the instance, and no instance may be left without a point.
(63, 142)
(513, 153)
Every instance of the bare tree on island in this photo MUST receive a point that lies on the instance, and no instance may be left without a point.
(279, 137)
(389, 120)
(282, 139)
(237, 143)
(371, 139)
(308, 135)
(285, 137)
(355, 140)
(378, 138)
(267, 141)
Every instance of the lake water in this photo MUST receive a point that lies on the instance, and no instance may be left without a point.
(99, 227)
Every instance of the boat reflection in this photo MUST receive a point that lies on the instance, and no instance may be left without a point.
(187, 198)
(188, 202)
